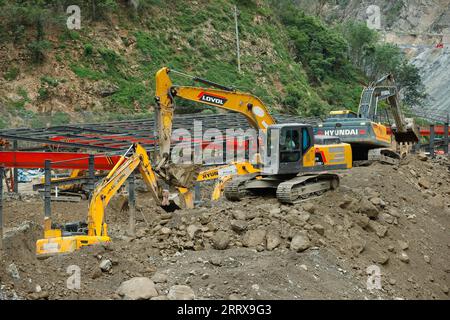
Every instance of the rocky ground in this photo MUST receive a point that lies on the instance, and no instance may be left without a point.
(394, 219)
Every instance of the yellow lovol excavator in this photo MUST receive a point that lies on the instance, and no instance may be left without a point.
(72, 236)
(289, 163)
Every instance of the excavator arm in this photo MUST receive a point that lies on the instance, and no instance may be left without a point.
(404, 129)
(222, 97)
(224, 173)
(115, 179)
(250, 106)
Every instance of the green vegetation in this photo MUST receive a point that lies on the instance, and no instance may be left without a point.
(376, 59)
(11, 74)
(60, 118)
(294, 62)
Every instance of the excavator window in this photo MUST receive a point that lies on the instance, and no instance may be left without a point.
(306, 140)
(290, 145)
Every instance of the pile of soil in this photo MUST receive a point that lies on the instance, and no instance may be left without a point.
(394, 219)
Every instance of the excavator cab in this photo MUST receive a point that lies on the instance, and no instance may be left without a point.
(343, 114)
(286, 146)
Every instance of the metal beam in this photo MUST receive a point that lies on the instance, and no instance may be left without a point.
(61, 160)
(432, 137)
(446, 135)
(47, 191)
(1, 208)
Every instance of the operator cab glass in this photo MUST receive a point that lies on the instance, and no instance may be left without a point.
(290, 150)
(286, 146)
(343, 114)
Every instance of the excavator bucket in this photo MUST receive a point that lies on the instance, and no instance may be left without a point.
(182, 175)
(411, 135)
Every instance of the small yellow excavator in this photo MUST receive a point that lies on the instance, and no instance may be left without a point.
(288, 164)
(72, 236)
(225, 173)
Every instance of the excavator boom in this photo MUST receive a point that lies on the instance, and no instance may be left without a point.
(222, 97)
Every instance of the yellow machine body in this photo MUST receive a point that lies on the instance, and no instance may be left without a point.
(57, 241)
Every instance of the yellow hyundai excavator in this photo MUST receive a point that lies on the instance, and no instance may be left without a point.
(364, 130)
(288, 163)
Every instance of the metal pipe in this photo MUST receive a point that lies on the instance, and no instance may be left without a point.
(432, 137)
(47, 189)
(204, 81)
(15, 171)
(131, 205)
(1, 208)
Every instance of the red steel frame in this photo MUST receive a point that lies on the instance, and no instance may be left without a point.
(60, 160)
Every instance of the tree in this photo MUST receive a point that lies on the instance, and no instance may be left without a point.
(322, 50)
(37, 15)
(361, 40)
(411, 84)
(376, 59)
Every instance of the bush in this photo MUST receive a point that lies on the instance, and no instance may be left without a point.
(87, 73)
(38, 49)
(50, 81)
(43, 94)
(60, 118)
(11, 74)
(88, 50)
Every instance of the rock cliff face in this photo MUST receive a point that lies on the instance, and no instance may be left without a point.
(405, 16)
(435, 70)
(416, 26)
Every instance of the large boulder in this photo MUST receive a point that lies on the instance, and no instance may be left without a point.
(253, 238)
(300, 242)
(366, 207)
(221, 240)
(139, 288)
(180, 292)
(272, 240)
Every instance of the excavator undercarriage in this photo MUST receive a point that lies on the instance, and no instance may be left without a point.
(288, 188)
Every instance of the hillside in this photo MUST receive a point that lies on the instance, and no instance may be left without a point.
(416, 26)
(105, 70)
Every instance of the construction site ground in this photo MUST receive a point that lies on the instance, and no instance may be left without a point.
(395, 218)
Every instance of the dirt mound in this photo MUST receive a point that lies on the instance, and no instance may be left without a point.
(392, 218)
(19, 243)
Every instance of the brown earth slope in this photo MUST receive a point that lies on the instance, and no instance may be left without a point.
(395, 218)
